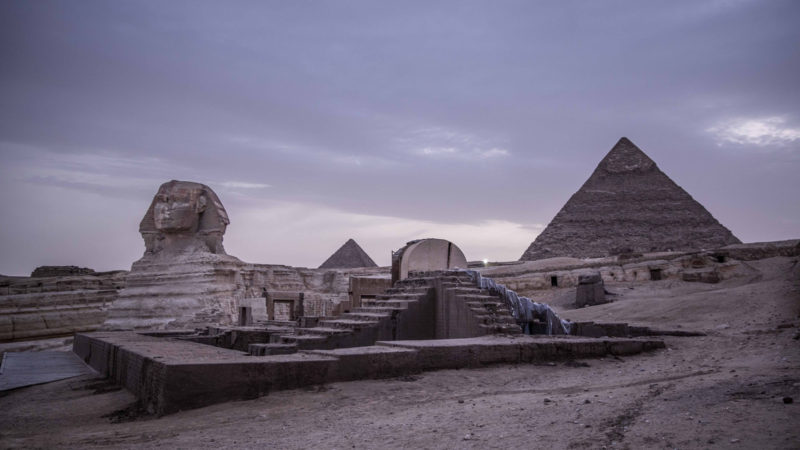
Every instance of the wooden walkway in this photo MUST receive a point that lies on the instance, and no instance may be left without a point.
(19, 369)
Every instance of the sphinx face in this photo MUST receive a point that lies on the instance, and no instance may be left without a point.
(177, 210)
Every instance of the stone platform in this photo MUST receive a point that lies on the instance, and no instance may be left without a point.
(168, 375)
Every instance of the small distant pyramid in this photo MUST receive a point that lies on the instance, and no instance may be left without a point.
(628, 205)
(350, 255)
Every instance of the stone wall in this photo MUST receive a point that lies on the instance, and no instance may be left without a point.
(539, 275)
(760, 250)
(366, 287)
(37, 308)
(325, 289)
(60, 271)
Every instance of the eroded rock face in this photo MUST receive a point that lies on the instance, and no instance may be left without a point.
(60, 271)
(185, 278)
(46, 307)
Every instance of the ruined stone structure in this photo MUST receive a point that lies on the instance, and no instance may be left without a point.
(428, 321)
(628, 205)
(425, 255)
(367, 288)
(60, 271)
(529, 276)
(349, 255)
(591, 290)
(169, 375)
(286, 306)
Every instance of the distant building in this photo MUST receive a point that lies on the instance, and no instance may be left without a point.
(349, 256)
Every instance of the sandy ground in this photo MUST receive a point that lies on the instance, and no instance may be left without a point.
(724, 390)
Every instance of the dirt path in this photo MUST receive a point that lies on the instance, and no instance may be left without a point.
(724, 390)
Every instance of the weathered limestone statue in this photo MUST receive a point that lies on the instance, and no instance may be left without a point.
(185, 278)
(184, 217)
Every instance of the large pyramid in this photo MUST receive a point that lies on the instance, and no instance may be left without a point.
(628, 205)
(349, 255)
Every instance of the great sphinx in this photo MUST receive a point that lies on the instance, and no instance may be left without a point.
(184, 278)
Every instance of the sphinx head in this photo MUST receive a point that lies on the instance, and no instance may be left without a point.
(177, 207)
(184, 209)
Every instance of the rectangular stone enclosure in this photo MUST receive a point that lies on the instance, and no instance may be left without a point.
(168, 375)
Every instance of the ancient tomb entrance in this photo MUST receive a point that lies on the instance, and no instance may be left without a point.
(655, 274)
(554, 281)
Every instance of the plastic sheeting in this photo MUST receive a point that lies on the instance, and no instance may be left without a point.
(523, 309)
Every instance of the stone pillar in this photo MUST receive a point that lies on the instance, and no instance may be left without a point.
(299, 307)
(270, 305)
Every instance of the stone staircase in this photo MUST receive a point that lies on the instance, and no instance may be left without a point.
(374, 320)
(491, 313)
(400, 313)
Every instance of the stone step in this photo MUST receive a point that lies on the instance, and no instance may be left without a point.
(438, 274)
(490, 318)
(486, 311)
(281, 323)
(415, 282)
(462, 290)
(401, 295)
(347, 324)
(395, 303)
(429, 280)
(490, 305)
(479, 297)
(377, 309)
(504, 328)
(305, 341)
(409, 290)
(485, 316)
(369, 317)
(271, 349)
(322, 331)
(458, 280)
(279, 330)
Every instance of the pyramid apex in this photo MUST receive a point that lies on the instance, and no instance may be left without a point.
(349, 255)
(625, 156)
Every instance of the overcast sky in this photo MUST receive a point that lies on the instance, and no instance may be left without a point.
(316, 122)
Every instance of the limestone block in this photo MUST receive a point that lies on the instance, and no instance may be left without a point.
(706, 275)
(590, 290)
(6, 328)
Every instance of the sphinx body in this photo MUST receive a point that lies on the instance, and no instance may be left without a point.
(185, 278)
